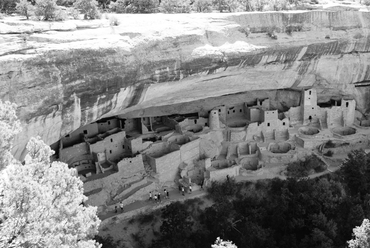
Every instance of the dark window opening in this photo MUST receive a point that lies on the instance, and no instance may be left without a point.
(123, 146)
(313, 108)
(310, 118)
(347, 104)
(234, 111)
(283, 123)
(110, 151)
(195, 121)
(309, 92)
(219, 110)
(241, 110)
(268, 124)
(67, 136)
(108, 122)
(111, 140)
(85, 131)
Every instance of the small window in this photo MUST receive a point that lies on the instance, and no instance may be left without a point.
(123, 146)
(219, 110)
(85, 131)
(110, 151)
(111, 140)
(67, 136)
(241, 110)
(283, 123)
(313, 108)
(108, 122)
(347, 104)
(309, 92)
(228, 112)
(309, 98)
(195, 121)
(234, 111)
(130, 161)
(268, 124)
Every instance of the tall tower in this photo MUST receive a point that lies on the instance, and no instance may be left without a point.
(214, 119)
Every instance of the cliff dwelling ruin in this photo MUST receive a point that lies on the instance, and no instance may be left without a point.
(125, 158)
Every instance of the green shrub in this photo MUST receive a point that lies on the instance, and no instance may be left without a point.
(74, 13)
(89, 8)
(305, 167)
(145, 218)
(175, 6)
(329, 153)
(226, 5)
(7, 6)
(46, 9)
(202, 5)
(134, 6)
(119, 6)
(366, 2)
(60, 15)
(25, 8)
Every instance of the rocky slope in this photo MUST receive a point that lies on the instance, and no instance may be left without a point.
(64, 75)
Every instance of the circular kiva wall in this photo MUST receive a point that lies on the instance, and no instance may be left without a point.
(343, 131)
(309, 131)
(220, 164)
(194, 128)
(365, 123)
(249, 163)
(282, 147)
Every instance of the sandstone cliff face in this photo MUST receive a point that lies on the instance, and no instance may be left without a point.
(69, 74)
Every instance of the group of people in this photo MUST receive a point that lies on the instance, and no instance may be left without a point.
(157, 196)
(116, 207)
(182, 189)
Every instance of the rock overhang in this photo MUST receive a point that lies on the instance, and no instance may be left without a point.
(64, 79)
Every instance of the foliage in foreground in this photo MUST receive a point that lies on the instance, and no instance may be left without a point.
(41, 202)
(320, 212)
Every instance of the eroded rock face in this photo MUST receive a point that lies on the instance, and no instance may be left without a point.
(164, 64)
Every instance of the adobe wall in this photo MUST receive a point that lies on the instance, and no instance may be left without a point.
(167, 166)
(210, 144)
(235, 111)
(254, 114)
(349, 109)
(295, 115)
(74, 153)
(89, 131)
(334, 116)
(222, 173)
(131, 166)
(232, 151)
(190, 151)
(108, 125)
(309, 143)
(214, 119)
(221, 113)
(135, 145)
(113, 145)
(237, 135)
(132, 125)
(169, 122)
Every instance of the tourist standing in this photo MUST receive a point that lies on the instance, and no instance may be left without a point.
(150, 195)
(190, 189)
(155, 197)
(159, 197)
(121, 205)
(115, 209)
(183, 190)
(165, 193)
(168, 194)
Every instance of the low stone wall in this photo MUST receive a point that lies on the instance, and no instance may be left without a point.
(222, 173)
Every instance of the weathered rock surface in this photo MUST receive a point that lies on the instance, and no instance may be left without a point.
(68, 74)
